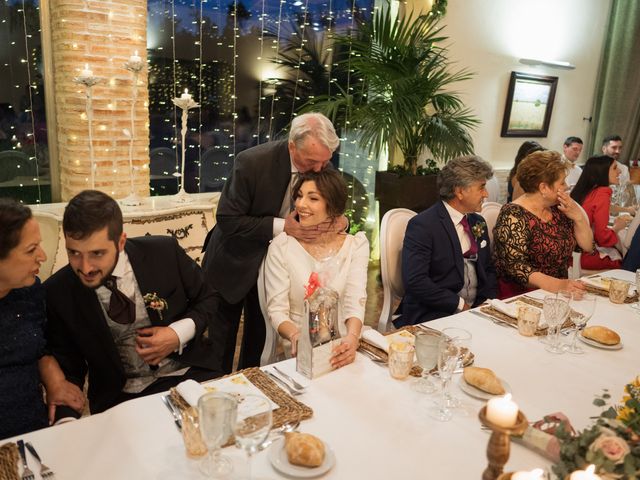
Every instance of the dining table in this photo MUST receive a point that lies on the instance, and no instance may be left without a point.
(377, 427)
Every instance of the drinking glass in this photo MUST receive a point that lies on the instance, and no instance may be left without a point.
(528, 319)
(427, 352)
(252, 425)
(217, 414)
(462, 338)
(584, 305)
(637, 304)
(618, 290)
(555, 309)
(448, 355)
(400, 359)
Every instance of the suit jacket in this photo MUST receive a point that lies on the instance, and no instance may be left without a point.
(433, 266)
(80, 339)
(251, 198)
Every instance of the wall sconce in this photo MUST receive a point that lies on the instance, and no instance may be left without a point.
(548, 63)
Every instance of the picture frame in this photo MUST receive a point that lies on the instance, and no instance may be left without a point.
(527, 112)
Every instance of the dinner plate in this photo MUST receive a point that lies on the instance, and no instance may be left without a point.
(593, 343)
(481, 394)
(280, 462)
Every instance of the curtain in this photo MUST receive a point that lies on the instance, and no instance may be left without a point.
(616, 108)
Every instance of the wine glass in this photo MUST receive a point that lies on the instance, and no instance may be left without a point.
(462, 338)
(584, 305)
(427, 352)
(448, 355)
(637, 304)
(556, 309)
(252, 424)
(217, 414)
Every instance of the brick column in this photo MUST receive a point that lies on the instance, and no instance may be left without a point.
(102, 34)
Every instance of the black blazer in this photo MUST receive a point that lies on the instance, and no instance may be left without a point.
(433, 266)
(80, 339)
(251, 198)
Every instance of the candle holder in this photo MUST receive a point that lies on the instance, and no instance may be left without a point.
(135, 67)
(505, 476)
(89, 81)
(185, 104)
(500, 443)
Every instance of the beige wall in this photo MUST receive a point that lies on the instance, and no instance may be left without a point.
(490, 36)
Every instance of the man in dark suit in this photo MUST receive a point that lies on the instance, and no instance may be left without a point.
(135, 314)
(254, 207)
(446, 257)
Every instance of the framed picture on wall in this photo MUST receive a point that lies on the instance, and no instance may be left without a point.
(529, 105)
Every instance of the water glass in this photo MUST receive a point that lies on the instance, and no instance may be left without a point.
(400, 359)
(462, 339)
(217, 414)
(584, 305)
(555, 309)
(618, 290)
(252, 424)
(528, 319)
(448, 356)
(427, 354)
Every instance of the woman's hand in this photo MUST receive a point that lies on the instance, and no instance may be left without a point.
(294, 343)
(570, 207)
(345, 352)
(571, 286)
(621, 222)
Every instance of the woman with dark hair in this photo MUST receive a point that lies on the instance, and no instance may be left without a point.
(535, 235)
(513, 187)
(22, 320)
(338, 260)
(594, 194)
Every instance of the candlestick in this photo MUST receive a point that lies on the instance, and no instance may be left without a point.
(499, 445)
(86, 72)
(87, 79)
(588, 474)
(135, 57)
(186, 103)
(502, 411)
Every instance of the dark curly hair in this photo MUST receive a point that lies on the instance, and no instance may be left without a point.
(13, 216)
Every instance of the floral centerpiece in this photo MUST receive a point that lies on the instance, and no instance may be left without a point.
(612, 443)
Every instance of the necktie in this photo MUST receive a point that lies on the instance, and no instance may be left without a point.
(287, 201)
(121, 309)
(473, 249)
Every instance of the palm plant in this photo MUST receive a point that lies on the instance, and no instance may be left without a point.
(403, 96)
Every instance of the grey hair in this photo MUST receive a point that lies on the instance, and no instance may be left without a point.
(313, 125)
(462, 172)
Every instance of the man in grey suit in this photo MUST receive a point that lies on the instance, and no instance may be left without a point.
(254, 207)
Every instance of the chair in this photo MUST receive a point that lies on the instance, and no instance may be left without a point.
(271, 336)
(490, 211)
(215, 168)
(493, 189)
(392, 230)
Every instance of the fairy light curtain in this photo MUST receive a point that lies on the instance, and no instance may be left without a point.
(24, 161)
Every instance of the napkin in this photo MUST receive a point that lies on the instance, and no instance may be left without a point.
(191, 391)
(376, 339)
(510, 309)
(598, 283)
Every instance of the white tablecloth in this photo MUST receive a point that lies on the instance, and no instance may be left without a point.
(378, 427)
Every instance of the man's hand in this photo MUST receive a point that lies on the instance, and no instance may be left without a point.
(310, 233)
(64, 393)
(154, 344)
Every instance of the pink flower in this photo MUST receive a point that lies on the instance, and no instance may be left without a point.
(613, 447)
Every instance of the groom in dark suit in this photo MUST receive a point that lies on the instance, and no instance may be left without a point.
(135, 314)
(255, 207)
(446, 257)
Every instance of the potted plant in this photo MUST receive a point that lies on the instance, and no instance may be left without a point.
(403, 100)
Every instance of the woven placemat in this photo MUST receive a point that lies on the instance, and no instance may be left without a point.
(601, 292)
(290, 409)
(540, 331)
(9, 462)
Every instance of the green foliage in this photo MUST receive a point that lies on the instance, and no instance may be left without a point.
(403, 95)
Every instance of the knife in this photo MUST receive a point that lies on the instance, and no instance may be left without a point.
(177, 419)
(493, 319)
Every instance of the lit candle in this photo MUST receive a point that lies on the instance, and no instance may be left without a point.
(86, 72)
(186, 95)
(536, 474)
(502, 411)
(135, 57)
(587, 474)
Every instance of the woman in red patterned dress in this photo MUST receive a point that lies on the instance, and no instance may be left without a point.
(535, 235)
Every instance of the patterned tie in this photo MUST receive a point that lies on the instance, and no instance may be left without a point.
(473, 249)
(121, 309)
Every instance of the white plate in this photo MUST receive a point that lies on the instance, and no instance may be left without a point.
(279, 461)
(481, 394)
(593, 343)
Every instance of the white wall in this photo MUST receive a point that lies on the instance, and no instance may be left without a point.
(489, 37)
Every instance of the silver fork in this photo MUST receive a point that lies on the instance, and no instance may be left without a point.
(292, 380)
(285, 385)
(27, 474)
(45, 472)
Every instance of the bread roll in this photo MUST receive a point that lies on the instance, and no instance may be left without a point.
(304, 449)
(601, 334)
(484, 379)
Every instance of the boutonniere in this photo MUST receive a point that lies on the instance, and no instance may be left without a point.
(478, 229)
(154, 302)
